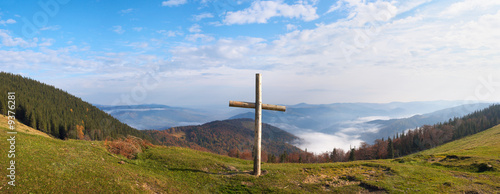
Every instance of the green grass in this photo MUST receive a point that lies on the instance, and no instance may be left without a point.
(485, 144)
(47, 165)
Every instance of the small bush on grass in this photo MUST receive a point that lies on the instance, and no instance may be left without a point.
(128, 147)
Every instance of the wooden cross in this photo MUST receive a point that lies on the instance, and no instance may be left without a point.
(258, 119)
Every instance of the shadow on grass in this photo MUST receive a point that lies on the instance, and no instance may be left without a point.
(264, 172)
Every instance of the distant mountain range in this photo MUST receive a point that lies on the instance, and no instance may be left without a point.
(328, 118)
(156, 116)
(302, 116)
(360, 121)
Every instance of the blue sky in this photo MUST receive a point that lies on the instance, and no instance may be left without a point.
(197, 53)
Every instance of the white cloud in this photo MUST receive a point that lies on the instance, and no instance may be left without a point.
(8, 21)
(335, 7)
(45, 59)
(138, 29)
(52, 28)
(47, 42)
(291, 27)
(394, 58)
(343, 138)
(125, 11)
(118, 29)
(362, 12)
(202, 37)
(195, 28)
(262, 11)
(476, 34)
(169, 33)
(367, 119)
(202, 16)
(139, 45)
(9, 41)
(320, 142)
(410, 5)
(229, 52)
(469, 5)
(171, 3)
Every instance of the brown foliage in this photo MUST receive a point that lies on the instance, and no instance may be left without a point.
(128, 147)
(235, 153)
(263, 156)
(246, 155)
(380, 148)
(79, 132)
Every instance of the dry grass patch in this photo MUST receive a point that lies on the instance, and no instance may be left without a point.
(128, 147)
(20, 127)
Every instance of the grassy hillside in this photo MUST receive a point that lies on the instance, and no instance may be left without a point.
(485, 144)
(45, 164)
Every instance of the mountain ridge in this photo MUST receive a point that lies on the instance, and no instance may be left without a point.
(156, 116)
(296, 112)
(223, 136)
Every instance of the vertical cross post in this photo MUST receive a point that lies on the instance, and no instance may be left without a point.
(258, 124)
(258, 106)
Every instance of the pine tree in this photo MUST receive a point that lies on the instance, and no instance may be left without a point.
(283, 157)
(333, 155)
(271, 158)
(351, 155)
(390, 149)
(2, 107)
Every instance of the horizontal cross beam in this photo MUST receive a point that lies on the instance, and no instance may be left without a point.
(252, 105)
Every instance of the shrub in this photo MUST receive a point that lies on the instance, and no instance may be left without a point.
(128, 147)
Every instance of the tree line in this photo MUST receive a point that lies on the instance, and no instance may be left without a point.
(58, 113)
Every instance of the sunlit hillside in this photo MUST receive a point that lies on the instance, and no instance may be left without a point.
(45, 164)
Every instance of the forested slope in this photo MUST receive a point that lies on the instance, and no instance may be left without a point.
(57, 112)
(430, 136)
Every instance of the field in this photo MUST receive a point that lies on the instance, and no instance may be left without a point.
(45, 164)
